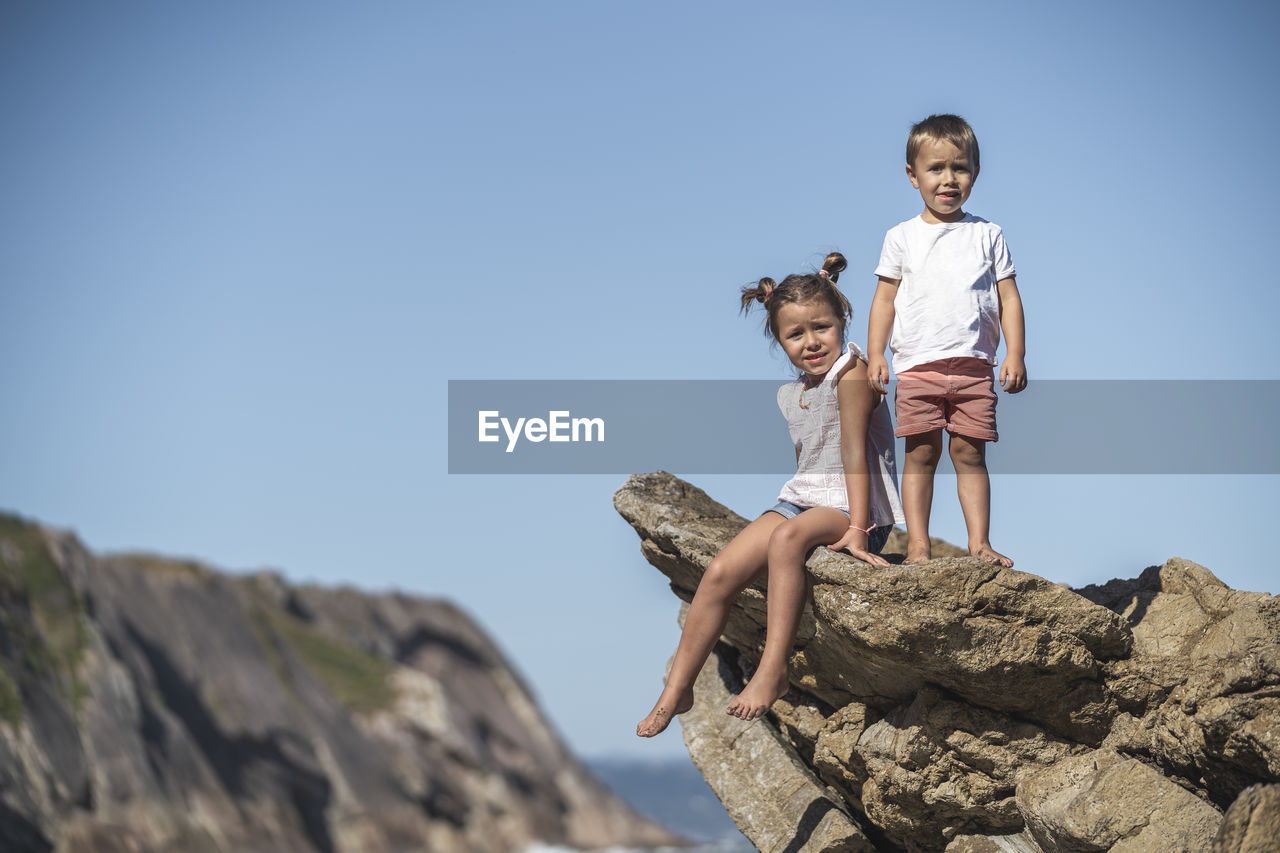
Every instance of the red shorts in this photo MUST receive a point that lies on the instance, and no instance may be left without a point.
(958, 394)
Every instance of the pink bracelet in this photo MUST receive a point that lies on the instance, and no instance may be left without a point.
(860, 530)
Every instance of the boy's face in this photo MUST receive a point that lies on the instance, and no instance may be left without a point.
(944, 174)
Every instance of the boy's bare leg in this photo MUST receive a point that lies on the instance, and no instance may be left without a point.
(922, 453)
(728, 573)
(973, 484)
(788, 587)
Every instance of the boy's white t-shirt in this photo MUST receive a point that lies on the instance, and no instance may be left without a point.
(947, 305)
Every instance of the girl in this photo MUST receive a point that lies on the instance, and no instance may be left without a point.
(835, 499)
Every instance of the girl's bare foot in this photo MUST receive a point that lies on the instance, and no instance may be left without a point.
(759, 695)
(918, 552)
(983, 551)
(663, 713)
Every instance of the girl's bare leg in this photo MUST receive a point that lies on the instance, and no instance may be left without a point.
(922, 450)
(788, 547)
(973, 484)
(728, 574)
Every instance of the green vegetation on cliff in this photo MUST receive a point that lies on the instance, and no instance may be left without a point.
(358, 680)
(42, 631)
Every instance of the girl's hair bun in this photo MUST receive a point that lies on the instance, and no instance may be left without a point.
(833, 265)
(759, 292)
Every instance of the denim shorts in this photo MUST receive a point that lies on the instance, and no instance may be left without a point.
(875, 539)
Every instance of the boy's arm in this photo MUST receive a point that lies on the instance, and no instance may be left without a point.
(879, 326)
(1013, 370)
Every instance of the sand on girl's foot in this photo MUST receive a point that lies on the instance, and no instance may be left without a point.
(662, 715)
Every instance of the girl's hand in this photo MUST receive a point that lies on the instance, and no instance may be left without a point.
(854, 542)
(867, 557)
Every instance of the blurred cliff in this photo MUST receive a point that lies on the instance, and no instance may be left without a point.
(149, 704)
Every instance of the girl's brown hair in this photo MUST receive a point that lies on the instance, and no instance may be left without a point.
(800, 288)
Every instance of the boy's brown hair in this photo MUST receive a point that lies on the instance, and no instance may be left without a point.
(943, 127)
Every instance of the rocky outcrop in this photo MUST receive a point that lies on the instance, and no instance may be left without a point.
(157, 705)
(1252, 824)
(958, 706)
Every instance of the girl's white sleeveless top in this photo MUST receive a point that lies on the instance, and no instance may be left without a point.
(815, 431)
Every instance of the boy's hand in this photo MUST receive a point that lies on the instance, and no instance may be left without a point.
(878, 373)
(1013, 374)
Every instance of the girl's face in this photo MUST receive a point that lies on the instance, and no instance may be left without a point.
(810, 335)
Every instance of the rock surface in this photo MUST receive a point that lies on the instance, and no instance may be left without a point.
(1104, 801)
(958, 706)
(1252, 824)
(157, 705)
(733, 754)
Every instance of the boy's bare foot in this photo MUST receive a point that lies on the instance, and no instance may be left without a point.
(663, 713)
(759, 695)
(918, 552)
(983, 551)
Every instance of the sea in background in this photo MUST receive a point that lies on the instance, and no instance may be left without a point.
(672, 792)
(743, 846)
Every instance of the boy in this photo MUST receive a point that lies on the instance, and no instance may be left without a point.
(946, 290)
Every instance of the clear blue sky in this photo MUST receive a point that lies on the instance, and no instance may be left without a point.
(244, 246)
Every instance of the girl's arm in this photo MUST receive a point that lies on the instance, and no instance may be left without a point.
(856, 401)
